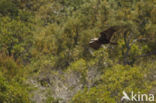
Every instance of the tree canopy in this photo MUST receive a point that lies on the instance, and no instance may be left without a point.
(45, 55)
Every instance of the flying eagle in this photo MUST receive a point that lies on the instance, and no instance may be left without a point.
(105, 38)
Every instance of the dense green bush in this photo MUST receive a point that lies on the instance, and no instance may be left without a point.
(7, 7)
(12, 89)
(15, 38)
(12, 92)
(112, 83)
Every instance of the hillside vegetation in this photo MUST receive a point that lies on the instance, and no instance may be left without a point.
(45, 56)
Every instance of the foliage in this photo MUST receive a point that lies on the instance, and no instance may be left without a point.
(42, 37)
(15, 37)
(12, 92)
(12, 89)
(7, 7)
(111, 84)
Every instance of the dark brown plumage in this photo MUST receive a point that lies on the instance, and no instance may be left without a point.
(105, 38)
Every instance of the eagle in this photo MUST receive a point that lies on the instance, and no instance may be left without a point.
(105, 38)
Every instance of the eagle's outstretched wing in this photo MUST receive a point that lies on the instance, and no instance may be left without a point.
(106, 35)
(104, 38)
